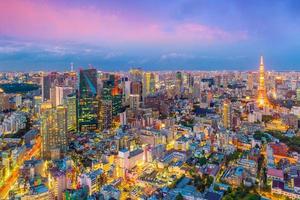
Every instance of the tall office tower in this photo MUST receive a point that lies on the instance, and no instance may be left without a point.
(298, 94)
(61, 93)
(227, 114)
(126, 89)
(2, 94)
(88, 101)
(71, 104)
(111, 91)
(136, 87)
(105, 115)
(262, 98)
(53, 131)
(156, 80)
(117, 96)
(250, 81)
(46, 85)
(179, 81)
(4, 101)
(53, 96)
(136, 74)
(18, 100)
(134, 101)
(190, 80)
(148, 84)
(123, 118)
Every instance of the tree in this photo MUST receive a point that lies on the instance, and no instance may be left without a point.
(203, 183)
(192, 171)
(235, 155)
(209, 181)
(216, 187)
(179, 197)
(202, 161)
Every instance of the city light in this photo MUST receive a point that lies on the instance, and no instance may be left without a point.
(136, 100)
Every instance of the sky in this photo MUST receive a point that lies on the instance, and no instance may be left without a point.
(114, 35)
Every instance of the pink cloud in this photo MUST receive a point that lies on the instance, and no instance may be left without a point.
(37, 20)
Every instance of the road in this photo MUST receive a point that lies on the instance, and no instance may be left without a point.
(11, 180)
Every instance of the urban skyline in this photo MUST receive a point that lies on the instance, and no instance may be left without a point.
(149, 100)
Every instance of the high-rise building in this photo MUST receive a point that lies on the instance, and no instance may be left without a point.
(134, 101)
(71, 104)
(111, 91)
(250, 81)
(126, 89)
(61, 93)
(46, 85)
(37, 101)
(4, 101)
(136, 74)
(190, 82)
(52, 96)
(88, 101)
(105, 115)
(227, 114)
(18, 100)
(53, 131)
(298, 94)
(148, 83)
(136, 87)
(179, 81)
(262, 98)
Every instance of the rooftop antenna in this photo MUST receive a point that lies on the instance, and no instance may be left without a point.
(72, 67)
(261, 60)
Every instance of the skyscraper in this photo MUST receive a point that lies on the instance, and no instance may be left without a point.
(46, 85)
(190, 82)
(18, 100)
(53, 131)
(136, 74)
(136, 87)
(105, 115)
(71, 104)
(262, 94)
(179, 81)
(37, 101)
(134, 101)
(298, 94)
(88, 101)
(148, 84)
(250, 83)
(227, 114)
(4, 101)
(111, 91)
(61, 93)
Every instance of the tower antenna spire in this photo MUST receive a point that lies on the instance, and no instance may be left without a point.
(261, 60)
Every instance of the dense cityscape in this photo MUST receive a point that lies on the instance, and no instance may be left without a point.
(149, 100)
(92, 134)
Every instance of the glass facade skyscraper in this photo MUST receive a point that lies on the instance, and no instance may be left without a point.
(71, 103)
(88, 101)
(111, 92)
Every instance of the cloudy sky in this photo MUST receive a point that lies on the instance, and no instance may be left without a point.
(153, 34)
